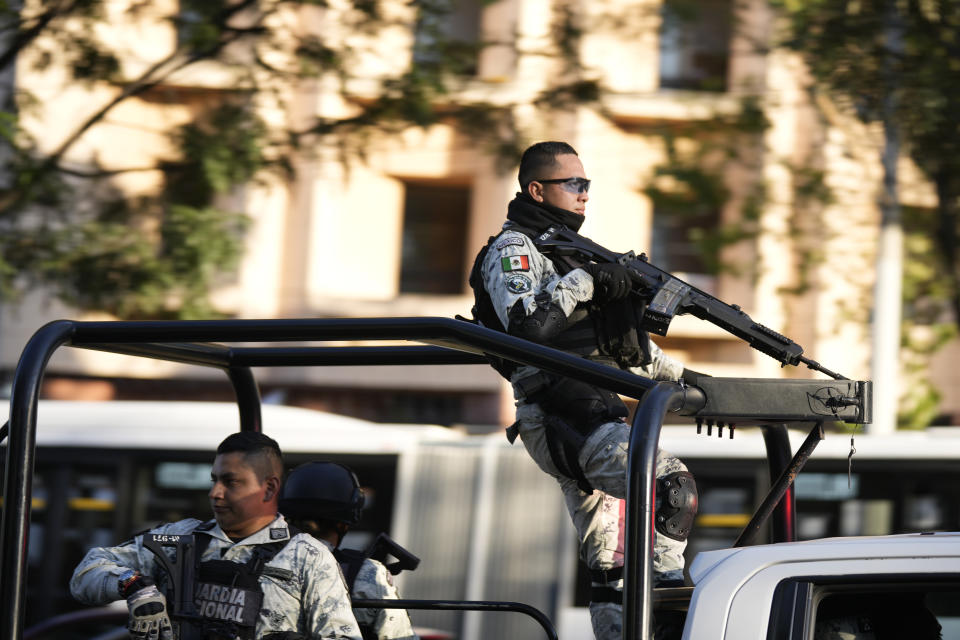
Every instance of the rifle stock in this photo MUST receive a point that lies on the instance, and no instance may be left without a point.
(667, 296)
(384, 546)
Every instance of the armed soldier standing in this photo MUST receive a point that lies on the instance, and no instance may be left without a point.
(574, 431)
(255, 576)
(325, 500)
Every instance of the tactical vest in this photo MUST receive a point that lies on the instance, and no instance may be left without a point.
(610, 334)
(227, 595)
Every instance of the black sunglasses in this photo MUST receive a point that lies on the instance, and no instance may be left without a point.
(571, 185)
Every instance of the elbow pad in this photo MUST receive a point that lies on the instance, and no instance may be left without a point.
(541, 325)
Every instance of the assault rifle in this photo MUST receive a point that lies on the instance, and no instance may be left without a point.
(180, 573)
(667, 296)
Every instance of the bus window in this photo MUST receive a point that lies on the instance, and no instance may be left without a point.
(75, 510)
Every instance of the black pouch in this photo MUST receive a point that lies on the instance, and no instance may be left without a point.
(620, 336)
(584, 406)
(564, 443)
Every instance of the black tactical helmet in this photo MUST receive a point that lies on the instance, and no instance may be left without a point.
(322, 491)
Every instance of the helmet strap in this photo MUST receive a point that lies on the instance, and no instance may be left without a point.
(342, 528)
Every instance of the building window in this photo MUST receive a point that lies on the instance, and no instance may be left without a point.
(449, 35)
(188, 21)
(695, 44)
(434, 239)
(680, 240)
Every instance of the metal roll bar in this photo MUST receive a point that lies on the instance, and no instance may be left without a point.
(442, 341)
(462, 605)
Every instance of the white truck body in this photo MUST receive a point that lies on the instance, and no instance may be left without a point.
(736, 591)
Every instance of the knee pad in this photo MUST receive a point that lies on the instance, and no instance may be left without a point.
(678, 505)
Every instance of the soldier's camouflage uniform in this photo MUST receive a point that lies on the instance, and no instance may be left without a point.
(598, 517)
(303, 587)
(375, 582)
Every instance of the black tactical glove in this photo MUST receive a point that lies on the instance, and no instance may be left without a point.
(611, 281)
(148, 612)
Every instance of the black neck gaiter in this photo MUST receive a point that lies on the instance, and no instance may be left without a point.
(527, 212)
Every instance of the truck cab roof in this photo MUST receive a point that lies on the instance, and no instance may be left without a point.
(774, 590)
(749, 560)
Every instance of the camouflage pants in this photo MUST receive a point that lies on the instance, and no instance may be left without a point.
(599, 518)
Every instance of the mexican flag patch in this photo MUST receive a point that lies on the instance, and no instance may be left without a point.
(515, 263)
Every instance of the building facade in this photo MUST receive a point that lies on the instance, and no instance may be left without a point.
(394, 233)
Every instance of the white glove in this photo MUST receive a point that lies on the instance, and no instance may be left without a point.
(148, 615)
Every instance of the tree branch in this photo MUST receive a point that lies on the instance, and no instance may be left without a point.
(107, 173)
(24, 37)
(147, 80)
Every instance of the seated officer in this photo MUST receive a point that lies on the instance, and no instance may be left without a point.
(876, 616)
(324, 499)
(255, 579)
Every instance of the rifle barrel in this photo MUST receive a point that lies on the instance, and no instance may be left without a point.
(667, 296)
(816, 366)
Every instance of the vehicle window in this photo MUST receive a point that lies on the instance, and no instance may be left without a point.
(915, 612)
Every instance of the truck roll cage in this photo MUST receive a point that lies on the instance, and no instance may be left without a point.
(437, 341)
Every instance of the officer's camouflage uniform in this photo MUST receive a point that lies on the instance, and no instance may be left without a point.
(598, 517)
(374, 582)
(303, 587)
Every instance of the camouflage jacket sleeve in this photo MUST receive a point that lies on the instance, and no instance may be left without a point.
(94, 581)
(375, 582)
(514, 269)
(325, 605)
(661, 367)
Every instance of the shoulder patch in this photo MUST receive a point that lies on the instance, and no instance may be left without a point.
(519, 284)
(508, 242)
(515, 263)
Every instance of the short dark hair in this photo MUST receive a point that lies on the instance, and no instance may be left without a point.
(540, 157)
(258, 445)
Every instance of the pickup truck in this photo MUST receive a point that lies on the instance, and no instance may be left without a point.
(795, 590)
(902, 586)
